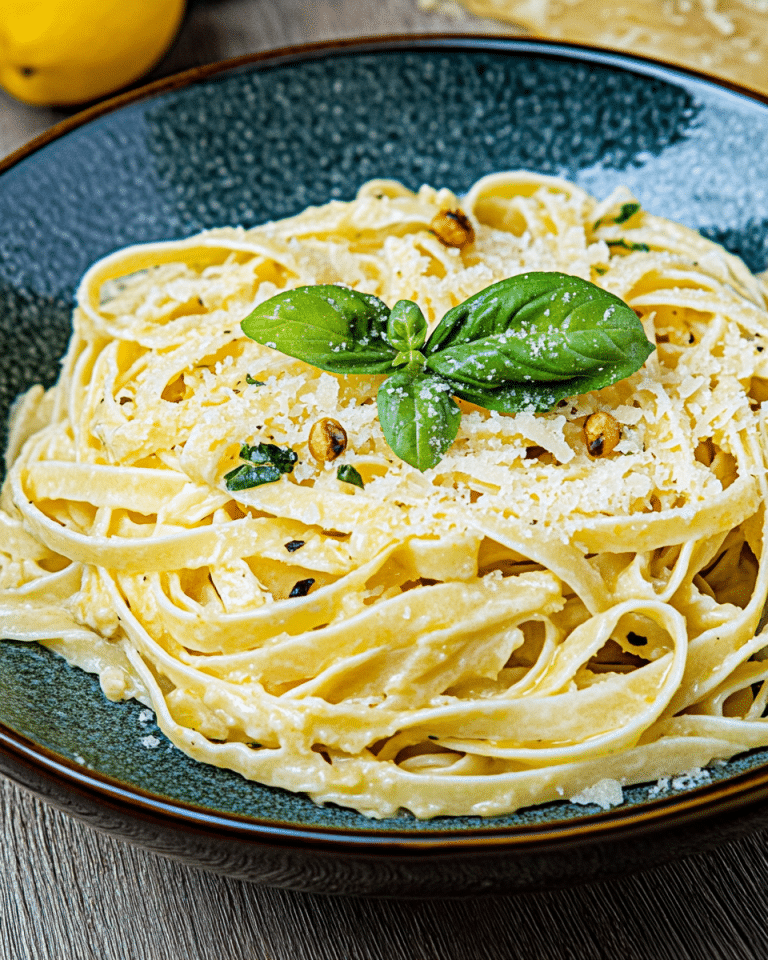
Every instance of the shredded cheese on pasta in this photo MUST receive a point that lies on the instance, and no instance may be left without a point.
(510, 627)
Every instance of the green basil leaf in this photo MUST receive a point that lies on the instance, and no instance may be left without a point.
(265, 463)
(406, 327)
(419, 417)
(531, 397)
(529, 341)
(249, 475)
(282, 457)
(347, 474)
(331, 327)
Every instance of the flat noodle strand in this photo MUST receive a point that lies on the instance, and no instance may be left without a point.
(514, 626)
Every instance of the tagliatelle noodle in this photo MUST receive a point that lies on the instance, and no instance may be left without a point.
(507, 628)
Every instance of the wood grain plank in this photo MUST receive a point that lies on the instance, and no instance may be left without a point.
(69, 892)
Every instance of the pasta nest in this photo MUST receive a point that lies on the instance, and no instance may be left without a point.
(507, 628)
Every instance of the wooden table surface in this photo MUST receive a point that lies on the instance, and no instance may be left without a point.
(68, 893)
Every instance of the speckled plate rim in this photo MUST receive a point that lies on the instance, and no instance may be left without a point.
(741, 794)
(733, 796)
(281, 56)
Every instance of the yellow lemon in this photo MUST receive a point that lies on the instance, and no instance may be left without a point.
(59, 52)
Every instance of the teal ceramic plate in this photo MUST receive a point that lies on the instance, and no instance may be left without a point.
(262, 138)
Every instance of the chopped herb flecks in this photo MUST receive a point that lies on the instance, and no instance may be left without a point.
(348, 474)
(624, 245)
(302, 587)
(627, 210)
(252, 475)
(283, 457)
(265, 463)
(253, 381)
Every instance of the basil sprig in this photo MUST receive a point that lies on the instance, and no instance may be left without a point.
(524, 343)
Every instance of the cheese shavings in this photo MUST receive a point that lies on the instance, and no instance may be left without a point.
(525, 622)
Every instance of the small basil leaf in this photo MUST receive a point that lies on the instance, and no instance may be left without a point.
(331, 327)
(265, 463)
(406, 327)
(347, 474)
(522, 336)
(249, 475)
(419, 417)
(282, 457)
(255, 454)
(414, 359)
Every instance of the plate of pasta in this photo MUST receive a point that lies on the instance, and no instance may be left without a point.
(385, 471)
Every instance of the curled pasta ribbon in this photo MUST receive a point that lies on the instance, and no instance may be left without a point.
(508, 628)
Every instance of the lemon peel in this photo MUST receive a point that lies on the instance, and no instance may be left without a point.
(59, 54)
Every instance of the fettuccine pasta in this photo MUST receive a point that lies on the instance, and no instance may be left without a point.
(523, 620)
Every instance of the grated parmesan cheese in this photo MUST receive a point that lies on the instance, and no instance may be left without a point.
(520, 624)
(605, 793)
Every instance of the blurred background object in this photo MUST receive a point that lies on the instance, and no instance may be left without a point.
(726, 38)
(214, 30)
(54, 53)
